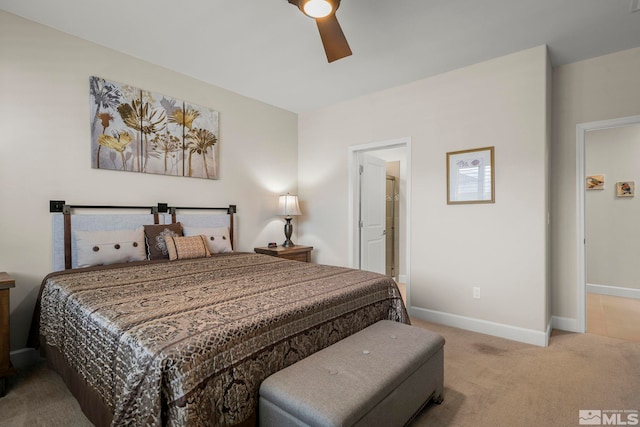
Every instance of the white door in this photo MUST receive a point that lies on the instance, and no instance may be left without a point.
(373, 174)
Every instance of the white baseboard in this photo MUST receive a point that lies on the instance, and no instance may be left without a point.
(565, 324)
(515, 333)
(614, 291)
(24, 357)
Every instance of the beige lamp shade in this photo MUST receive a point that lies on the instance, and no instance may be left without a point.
(288, 205)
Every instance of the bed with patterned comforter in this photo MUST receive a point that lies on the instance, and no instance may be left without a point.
(188, 342)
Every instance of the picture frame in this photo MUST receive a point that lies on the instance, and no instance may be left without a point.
(625, 189)
(594, 182)
(471, 176)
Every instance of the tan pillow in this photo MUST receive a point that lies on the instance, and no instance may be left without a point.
(186, 247)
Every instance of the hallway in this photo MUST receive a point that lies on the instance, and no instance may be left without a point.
(614, 317)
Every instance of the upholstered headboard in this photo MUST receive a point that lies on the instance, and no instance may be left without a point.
(66, 221)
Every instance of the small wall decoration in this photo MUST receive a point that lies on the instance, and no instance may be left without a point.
(625, 189)
(470, 176)
(595, 182)
(140, 131)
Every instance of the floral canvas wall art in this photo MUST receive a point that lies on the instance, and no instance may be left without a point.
(140, 131)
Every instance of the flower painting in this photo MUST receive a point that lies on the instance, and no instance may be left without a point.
(140, 131)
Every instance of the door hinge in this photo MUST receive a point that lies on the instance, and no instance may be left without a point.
(361, 224)
(361, 169)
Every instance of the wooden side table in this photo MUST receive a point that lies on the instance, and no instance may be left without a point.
(295, 253)
(6, 283)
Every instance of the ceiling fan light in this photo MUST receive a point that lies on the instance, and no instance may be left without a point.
(317, 8)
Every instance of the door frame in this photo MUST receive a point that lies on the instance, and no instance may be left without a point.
(581, 132)
(353, 231)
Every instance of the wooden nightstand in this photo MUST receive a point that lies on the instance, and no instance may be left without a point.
(296, 253)
(6, 283)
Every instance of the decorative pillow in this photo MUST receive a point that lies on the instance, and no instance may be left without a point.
(218, 239)
(155, 238)
(186, 247)
(109, 247)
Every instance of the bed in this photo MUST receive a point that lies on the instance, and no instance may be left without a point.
(187, 342)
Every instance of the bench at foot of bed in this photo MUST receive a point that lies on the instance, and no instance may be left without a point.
(383, 376)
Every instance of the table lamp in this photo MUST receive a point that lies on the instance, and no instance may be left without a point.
(288, 206)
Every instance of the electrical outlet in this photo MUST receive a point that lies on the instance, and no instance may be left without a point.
(476, 293)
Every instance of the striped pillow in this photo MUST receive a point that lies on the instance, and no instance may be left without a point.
(186, 247)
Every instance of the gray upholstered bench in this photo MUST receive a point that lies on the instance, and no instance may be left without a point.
(380, 376)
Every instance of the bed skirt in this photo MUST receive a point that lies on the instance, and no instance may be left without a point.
(90, 402)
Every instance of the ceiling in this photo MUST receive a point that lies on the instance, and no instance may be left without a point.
(268, 50)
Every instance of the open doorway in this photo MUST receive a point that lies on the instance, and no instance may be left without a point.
(608, 282)
(392, 226)
(394, 204)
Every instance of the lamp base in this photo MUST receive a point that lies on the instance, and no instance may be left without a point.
(288, 230)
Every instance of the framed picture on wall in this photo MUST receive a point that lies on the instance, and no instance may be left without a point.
(594, 182)
(625, 189)
(136, 130)
(470, 176)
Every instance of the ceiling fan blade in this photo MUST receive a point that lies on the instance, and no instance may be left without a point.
(333, 39)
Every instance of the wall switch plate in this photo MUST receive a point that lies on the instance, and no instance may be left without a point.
(476, 293)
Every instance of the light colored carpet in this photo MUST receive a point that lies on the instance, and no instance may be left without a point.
(488, 382)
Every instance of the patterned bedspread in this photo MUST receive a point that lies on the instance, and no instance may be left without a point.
(189, 342)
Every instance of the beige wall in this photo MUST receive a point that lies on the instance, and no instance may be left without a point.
(499, 247)
(45, 151)
(602, 88)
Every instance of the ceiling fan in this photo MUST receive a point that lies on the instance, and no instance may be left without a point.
(324, 12)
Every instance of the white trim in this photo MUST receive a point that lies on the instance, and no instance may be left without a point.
(547, 334)
(580, 325)
(614, 291)
(581, 130)
(407, 219)
(354, 193)
(564, 324)
(402, 278)
(528, 336)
